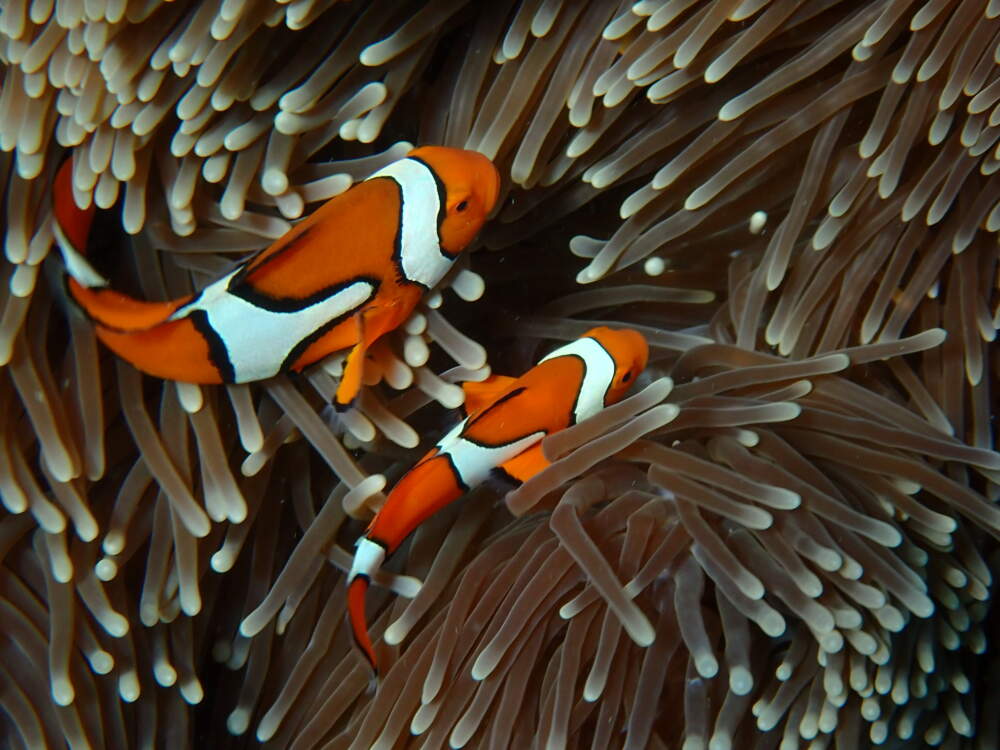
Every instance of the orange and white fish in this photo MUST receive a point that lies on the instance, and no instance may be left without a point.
(507, 419)
(346, 275)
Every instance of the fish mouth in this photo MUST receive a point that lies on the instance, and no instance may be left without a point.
(490, 178)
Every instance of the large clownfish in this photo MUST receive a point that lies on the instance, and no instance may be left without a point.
(502, 432)
(349, 273)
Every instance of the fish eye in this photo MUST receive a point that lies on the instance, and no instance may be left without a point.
(627, 376)
(462, 206)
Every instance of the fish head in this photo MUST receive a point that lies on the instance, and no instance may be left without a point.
(629, 350)
(471, 185)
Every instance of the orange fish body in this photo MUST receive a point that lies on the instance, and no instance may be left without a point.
(507, 419)
(349, 273)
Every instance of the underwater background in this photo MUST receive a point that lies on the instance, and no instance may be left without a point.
(796, 201)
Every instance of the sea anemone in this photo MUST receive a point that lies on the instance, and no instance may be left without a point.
(784, 538)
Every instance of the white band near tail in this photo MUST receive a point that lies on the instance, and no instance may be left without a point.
(368, 558)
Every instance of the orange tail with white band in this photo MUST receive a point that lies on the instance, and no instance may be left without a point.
(507, 419)
(341, 278)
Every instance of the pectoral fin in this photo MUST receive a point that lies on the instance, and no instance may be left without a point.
(374, 320)
(350, 380)
(479, 395)
(354, 366)
(525, 465)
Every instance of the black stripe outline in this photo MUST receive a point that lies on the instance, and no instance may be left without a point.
(579, 391)
(499, 473)
(397, 240)
(442, 192)
(459, 479)
(307, 340)
(469, 423)
(614, 371)
(293, 243)
(491, 446)
(218, 353)
(246, 292)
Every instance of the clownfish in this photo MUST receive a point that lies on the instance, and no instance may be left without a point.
(346, 275)
(501, 435)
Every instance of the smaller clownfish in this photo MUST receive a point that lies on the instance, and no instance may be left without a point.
(341, 278)
(502, 432)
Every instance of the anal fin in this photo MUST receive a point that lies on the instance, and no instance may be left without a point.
(526, 464)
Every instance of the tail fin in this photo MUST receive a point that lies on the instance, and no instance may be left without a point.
(356, 591)
(86, 287)
(368, 558)
(72, 227)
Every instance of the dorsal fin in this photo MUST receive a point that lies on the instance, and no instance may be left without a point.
(481, 394)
